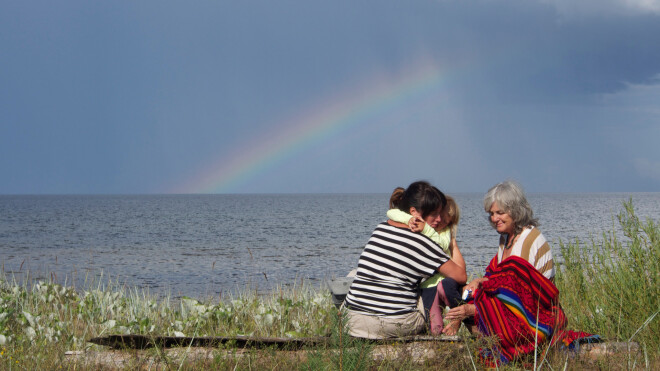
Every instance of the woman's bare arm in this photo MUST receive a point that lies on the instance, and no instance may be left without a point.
(455, 271)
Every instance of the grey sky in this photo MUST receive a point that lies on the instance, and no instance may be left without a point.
(139, 97)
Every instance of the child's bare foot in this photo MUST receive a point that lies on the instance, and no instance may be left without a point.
(452, 328)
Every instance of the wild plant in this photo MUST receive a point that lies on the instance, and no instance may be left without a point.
(611, 287)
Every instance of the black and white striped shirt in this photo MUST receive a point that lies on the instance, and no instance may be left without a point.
(393, 263)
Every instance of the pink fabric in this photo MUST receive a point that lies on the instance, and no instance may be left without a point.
(435, 313)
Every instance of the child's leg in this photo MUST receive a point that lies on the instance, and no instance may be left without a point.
(452, 293)
(436, 324)
(437, 300)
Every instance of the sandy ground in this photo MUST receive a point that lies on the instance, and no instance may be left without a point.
(173, 357)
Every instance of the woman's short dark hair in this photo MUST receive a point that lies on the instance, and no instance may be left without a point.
(421, 195)
(510, 197)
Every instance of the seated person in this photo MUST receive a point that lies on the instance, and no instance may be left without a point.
(438, 292)
(517, 301)
(383, 300)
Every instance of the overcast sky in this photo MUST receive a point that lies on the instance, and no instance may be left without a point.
(328, 96)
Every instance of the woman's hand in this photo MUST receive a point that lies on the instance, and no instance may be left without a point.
(475, 283)
(416, 224)
(461, 312)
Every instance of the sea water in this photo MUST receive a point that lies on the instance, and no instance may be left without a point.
(207, 245)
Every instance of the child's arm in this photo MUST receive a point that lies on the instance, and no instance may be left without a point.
(456, 255)
(403, 217)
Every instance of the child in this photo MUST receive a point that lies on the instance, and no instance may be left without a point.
(433, 293)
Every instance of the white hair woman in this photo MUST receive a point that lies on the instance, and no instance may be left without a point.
(516, 300)
(513, 218)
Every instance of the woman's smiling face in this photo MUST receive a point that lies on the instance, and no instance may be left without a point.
(501, 220)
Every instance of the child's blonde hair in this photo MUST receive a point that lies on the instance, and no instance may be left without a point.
(454, 215)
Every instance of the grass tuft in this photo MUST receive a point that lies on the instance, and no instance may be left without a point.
(610, 287)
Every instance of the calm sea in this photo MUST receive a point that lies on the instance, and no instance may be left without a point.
(203, 245)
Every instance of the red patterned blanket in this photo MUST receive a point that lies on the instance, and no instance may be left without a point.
(521, 307)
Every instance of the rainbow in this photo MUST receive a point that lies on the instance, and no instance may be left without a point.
(294, 134)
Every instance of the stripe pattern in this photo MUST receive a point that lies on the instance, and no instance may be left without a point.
(533, 247)
(393, 263)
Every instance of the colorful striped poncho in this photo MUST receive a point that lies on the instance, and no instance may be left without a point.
(520, 306)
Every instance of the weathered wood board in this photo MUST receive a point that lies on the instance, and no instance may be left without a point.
(149, 341)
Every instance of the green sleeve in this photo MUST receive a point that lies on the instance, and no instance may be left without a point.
(432, 234)
(399, 216)
(403, 217)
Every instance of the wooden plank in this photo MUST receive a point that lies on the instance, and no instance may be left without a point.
(135, 341)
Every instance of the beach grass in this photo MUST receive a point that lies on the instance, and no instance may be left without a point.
(608, 286)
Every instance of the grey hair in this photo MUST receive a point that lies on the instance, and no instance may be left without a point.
(510, 197)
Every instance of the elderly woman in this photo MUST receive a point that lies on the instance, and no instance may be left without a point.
(516, 300)
(383, 300)
(513, 218)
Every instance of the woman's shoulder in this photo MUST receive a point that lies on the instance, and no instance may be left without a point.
(531, 241)
(529, 237)
(531, 232)
(392, 227)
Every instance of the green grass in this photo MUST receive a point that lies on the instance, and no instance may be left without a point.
(609, 287)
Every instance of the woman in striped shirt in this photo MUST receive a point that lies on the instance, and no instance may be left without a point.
(383, 300)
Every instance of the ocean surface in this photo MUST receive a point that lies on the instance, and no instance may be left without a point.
(207, 245)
